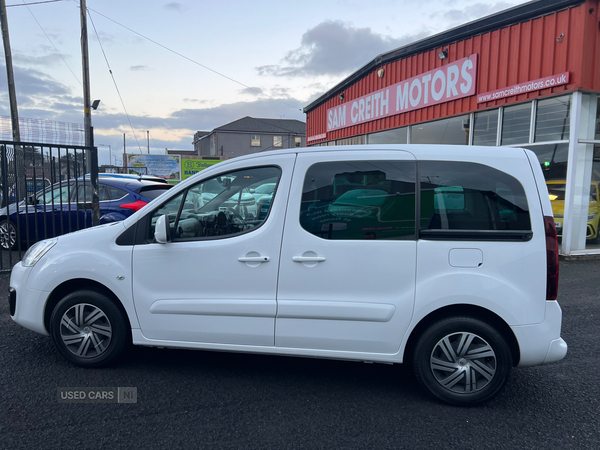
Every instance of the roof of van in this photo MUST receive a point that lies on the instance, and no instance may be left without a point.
(441, 152)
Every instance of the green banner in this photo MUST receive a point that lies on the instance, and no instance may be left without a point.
(191, 167)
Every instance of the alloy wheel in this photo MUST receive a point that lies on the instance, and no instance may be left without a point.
(8, 235)
(85, 330)
(463, 363)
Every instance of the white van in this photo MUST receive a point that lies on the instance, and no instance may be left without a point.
(444, 257)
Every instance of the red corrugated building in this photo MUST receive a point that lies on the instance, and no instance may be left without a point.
(524, 77)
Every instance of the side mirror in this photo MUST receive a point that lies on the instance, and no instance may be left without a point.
(31, 200)
(162, 230)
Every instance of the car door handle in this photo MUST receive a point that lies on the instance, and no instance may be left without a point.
(308, 258)
(254, 259)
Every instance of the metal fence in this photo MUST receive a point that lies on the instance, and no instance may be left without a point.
(45, 190)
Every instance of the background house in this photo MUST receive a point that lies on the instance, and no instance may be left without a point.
(250, 135)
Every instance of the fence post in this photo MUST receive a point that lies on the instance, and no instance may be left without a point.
(94, 180)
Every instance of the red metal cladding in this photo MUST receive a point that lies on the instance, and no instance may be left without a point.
(564, 41)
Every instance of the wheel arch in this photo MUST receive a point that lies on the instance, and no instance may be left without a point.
(79, 284)
(464, 310)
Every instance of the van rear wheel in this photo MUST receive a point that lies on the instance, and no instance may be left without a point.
(462, 361)
(89, 329)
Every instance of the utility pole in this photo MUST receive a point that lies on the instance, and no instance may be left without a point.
(87, 113)
(148, 136)
(14, 114)
(124, 153)
(92, 159)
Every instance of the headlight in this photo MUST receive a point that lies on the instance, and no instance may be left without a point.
(591, 216)
(36, 251)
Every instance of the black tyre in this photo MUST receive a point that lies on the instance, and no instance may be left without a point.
(89, 329)
(462, 361)
(8, 235)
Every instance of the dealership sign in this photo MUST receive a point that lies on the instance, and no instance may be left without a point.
(316, 137)
(450, 82)
(163, 166)
(193, 166)
(523, 88)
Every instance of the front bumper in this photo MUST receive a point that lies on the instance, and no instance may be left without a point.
(590, 233)
(29, 303)
(541, 343)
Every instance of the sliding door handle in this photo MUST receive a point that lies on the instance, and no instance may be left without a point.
(302, 259)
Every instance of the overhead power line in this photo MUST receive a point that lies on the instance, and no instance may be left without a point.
(35, 3)
(46, 34)
(258, 91)
(115, 83)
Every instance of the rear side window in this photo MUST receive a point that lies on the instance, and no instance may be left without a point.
(84, 193)
(358, 200)
(151, 192)
(468, 196)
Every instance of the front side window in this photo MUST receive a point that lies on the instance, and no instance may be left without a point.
(359, 200)
(461, 196)
(59, 194)
(226, 205)
(255, 140)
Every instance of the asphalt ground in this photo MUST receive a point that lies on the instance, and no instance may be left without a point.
(200, 399)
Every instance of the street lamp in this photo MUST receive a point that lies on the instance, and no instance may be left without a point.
(109, 151)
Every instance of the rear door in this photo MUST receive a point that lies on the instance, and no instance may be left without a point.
(347, 271)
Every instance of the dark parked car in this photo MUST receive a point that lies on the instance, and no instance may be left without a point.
(32, 186)
(66, 207)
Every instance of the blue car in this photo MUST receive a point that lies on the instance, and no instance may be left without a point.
(66, 207)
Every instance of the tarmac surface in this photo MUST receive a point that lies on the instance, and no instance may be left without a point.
(200, 399)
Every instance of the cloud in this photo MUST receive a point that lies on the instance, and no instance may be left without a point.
(252, 91)
(195, 100)
(210, 118)
(174, 6)
(32, 82)
(454, 17)
(334, 48)
(102, 36)
(42, 97)
(138, 68)
(44, 61)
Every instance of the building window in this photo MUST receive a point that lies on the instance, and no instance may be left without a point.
(485, 127)
(553, 159)
(516, 123)
(277, 141)
(255, 140)
(356, 140)
(298, 141)
(395, 136)
(452, 131)
(552, 121)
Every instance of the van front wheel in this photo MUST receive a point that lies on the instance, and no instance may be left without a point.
(89, 329)
(462, 361)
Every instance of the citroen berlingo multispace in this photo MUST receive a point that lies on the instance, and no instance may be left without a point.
(441, 257)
